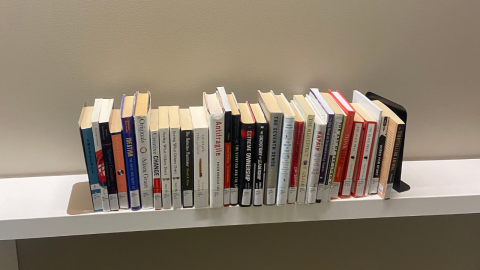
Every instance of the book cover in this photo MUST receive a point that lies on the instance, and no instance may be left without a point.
(235, 143)
(200, 156)
(227, 111)
(175, 156)
(155, 147)
(117, 143)
(297, 153)
(187, 148)
(260, 156)
(164, 138)
(353, 155)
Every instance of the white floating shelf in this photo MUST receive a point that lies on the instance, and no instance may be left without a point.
(40, 207)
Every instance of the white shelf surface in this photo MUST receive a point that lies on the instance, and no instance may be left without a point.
(38, 207)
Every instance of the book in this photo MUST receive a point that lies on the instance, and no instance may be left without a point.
(306, 111)
(175, 156)
(130, 151)
(164, 138)
(395, 130)
(365, 151)
(219, 196)
(144, 152)
(227, 111)
(354, 156)
(187, 148)
(155, 147)
(297, 154)
(345, 143)
(328, 116)
(107, 149)
(247, 149)
(86, 134)
(316, 154)
(286, 148)
(274, 116)
(235, 151)
(102, 179)
(379, 143)
(117, 143)
(200, 156)
(260, 157)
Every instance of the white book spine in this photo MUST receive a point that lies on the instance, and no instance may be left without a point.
(285, 159)
(200, 158)
(315, 162)
(142, 134)
(305, 158)
(165, 175)
(366, 156)
(157, 188)
(176, 168)
(352, 159)
(270, 183)
(98, 147)
(334, 145)
(382, 129)
(218, 195)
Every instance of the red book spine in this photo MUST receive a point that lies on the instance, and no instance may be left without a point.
(365, 156)
(228, 164)
(297, 149)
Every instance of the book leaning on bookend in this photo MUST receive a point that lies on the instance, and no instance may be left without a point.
(142, 135)
(186, 148)
(260, 157)
(219, 196)
(175, 156)
(155, 147)
(274, 116)
(165, 174)
(353, 156)
(395, 134)
(235, 144)
(86, 134)
(247, 149)
(107, 149)
(117, 143)
(296, 156)
(130, 151)
(200, 156)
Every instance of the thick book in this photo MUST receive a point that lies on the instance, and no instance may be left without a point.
(309, 117)
(274, 116)
(247, 149)
(107, 149)
(186, 148)
(286, 150)
(200, 156)
(379, 143)
(260, 156)
(328, 116)
(142, 135)
(102, 179)
(117, 143)
(86, 134)
(130, 152)
(155, 147)
(395, 132)
(227, 111)
(345, 142)
(296, 156)
(365, 151)
(219, 196)
(175, 156)
(165, 174)
(235, 151)
(353, 156)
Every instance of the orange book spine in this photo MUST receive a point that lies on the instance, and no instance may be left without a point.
(117, 144)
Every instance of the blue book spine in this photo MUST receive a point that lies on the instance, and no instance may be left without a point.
(324, 164)
(91, 164)
(131, 163)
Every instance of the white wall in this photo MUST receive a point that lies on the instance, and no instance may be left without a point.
(54, 55)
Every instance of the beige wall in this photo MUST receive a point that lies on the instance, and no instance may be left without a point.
(54, 55)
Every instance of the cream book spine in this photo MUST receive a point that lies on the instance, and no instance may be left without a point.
(164, 134)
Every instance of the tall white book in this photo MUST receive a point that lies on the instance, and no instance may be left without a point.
(175, 156)
(155, 146)
(142, 135)
(200, 156)
(164, 137)
(215, 118)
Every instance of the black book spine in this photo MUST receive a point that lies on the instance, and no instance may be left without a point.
(381, 147)
(228, 156)
(108, 158)
(396, 152)
(235, 179)
(186, 145)
(260, 160)
(246, 164)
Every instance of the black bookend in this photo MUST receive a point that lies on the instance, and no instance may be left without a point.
(400, 111)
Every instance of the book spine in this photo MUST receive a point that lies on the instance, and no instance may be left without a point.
(201, 167)
(109, 161)
(335, 186)
(102, 179)
(117, 143)
(382, 137)
(332, 156)
(235, 157)
(315, 163)
(131, 162)
(285, 165)
(305, 158)
(325, 158)
(364, 162)
(295, 170)
(91, 164)
(246, 164)
(385, 189)
(186, 141)
(165, 175)
(176, 168)
(219, 196)
(157, 181)
(261, 147)
(228, 158)
(275, 134)
(342, 155)
(351, 160)
(142, 136)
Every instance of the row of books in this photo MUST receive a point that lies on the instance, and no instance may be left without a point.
(310, 149)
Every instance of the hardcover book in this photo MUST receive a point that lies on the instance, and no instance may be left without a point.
(200, 156)
(260, 157)
(247, 150)
(175, 156)
(354, 156)
(296, 156)
(187, 148)
(235, 152)
(155, 147)
(117, 143)
(227, 111)
(165, 174)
